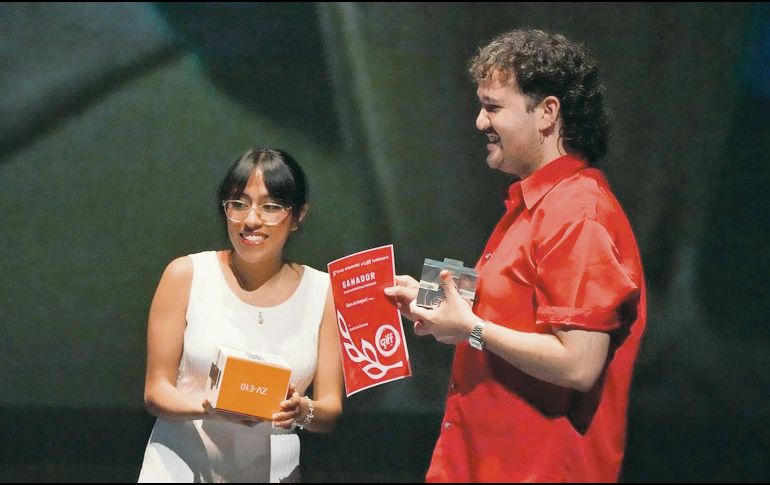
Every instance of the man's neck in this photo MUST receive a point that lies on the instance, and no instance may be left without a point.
(553, 148)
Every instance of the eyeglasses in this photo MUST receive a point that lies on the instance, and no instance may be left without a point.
(270, 213)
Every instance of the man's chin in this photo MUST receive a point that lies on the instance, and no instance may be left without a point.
(499, 165)
(494, 161)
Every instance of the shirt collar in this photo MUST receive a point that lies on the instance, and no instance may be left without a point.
(535, 186)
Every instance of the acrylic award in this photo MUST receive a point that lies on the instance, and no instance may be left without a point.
(431, 294)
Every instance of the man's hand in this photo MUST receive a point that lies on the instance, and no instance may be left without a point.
(450, 323)
(404, 293)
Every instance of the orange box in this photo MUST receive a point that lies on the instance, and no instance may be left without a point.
(245, 383)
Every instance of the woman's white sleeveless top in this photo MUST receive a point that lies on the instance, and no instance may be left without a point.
(219, 451)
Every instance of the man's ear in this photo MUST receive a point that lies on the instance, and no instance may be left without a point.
(549, 112)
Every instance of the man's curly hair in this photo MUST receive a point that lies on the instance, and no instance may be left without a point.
(545, 64)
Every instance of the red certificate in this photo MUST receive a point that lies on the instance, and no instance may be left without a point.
(371, 335)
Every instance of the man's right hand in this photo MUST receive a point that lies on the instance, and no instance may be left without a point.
(404, 292)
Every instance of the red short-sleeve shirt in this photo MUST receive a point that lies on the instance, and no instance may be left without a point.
(563, 256)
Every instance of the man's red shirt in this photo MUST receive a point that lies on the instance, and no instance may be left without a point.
(563, 256)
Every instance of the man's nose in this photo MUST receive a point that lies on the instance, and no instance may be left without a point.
(482, 120)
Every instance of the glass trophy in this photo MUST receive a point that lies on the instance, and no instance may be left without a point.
(431, 294)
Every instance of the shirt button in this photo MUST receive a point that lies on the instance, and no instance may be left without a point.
(447, 425)
(487, 256)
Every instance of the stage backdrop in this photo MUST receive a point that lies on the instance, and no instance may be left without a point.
(117, 122)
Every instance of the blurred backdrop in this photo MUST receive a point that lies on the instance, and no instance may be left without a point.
(118, 120)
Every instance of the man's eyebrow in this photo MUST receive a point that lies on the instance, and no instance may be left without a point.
(488, 100)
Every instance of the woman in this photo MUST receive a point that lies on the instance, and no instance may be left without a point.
(247, 297)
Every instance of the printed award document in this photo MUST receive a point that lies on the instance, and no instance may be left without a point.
(371, 334)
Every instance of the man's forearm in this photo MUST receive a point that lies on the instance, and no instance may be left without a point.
(572, 359)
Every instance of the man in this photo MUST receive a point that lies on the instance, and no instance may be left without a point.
(543, 363)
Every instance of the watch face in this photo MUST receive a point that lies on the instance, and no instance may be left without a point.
(475, 339)
(475, 343)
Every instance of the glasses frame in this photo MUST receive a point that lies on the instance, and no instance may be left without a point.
(258, 209)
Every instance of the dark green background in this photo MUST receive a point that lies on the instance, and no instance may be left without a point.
(117, 122)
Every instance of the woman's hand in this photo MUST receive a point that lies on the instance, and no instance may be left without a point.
(291, 410)
(232, 418)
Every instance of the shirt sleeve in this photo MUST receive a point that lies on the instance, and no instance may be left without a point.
(581, 282)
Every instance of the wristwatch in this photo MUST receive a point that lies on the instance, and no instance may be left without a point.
(475, 339)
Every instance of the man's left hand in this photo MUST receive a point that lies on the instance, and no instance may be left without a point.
(452, 321)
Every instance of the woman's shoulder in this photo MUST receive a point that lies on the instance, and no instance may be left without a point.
(315, 274)
(315, 280)
(182, 267)
(179, 269)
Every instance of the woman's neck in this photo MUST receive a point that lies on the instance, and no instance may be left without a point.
(253, 275)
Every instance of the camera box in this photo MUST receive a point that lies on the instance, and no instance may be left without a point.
(431, 294)
(250, 384)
